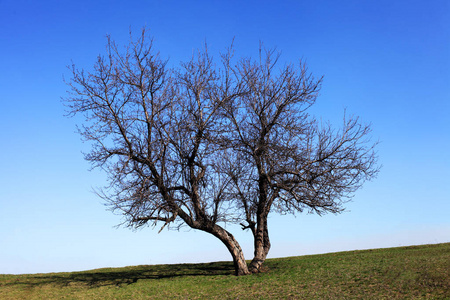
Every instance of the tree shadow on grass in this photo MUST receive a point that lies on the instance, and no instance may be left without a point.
(122, 276)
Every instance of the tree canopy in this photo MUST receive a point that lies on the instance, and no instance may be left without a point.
(208, 142)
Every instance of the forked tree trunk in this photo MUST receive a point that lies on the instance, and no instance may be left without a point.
(261, 244)
(240, 265)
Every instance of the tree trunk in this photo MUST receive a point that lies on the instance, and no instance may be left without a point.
(261, 234)
(261, 244)
(240, 265)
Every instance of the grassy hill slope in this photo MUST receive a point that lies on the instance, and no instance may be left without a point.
(416, 272)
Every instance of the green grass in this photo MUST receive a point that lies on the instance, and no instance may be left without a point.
(417, 272)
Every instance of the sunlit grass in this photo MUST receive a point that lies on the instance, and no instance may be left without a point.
(419, 272)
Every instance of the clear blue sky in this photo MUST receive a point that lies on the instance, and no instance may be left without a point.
(386, 61)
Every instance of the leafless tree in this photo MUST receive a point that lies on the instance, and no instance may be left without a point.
(284, 160)
(203, 144)
(153, 132)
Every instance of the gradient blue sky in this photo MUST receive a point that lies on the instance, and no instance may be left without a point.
(386, 61)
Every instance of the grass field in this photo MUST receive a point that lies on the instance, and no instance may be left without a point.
(416, 272)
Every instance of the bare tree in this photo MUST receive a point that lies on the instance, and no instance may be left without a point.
(284, 160)
(152, 130)
(204, 144)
